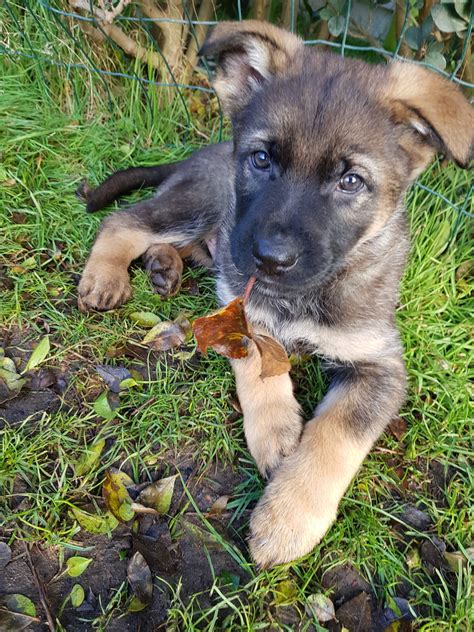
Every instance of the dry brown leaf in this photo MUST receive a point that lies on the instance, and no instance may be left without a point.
(398, 428)
(226, 331)
(274, 358)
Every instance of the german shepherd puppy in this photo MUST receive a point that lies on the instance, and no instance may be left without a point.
(309, 198)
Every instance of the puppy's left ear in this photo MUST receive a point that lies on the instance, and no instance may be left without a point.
(249, 54)
(436, 109)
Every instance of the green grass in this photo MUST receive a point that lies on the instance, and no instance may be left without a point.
(47, 147)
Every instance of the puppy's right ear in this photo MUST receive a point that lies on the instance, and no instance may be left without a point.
(248, 55)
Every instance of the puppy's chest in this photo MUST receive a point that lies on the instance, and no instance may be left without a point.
(297, 335)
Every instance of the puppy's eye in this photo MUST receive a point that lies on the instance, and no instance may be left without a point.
(261, 160)
(351, 183)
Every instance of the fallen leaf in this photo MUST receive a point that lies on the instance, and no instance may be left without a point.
(139, 578)
(285, 591)
(159, 494)
(14, 622)
(77, 595)
(413, 559)
(219, 506)
(90, 458)
(164, 336)
(113, 375)
(95, 523)
(116, 496)
(103, 408)
(320, 607)
(356, 613)
(226, 331)
(274, 358)
(456, 561)
(141, 509)
(5, 554)
(9, 375)
(345, 582)
(129, 383)
(145, 319)
(77, 564)
(398, 427)
(19, 604)
(39, 354)
(157, 551)
(414, 517)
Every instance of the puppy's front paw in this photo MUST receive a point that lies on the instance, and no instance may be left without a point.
(165, 268)
(290, 519)
(270, 442)
(103, 289)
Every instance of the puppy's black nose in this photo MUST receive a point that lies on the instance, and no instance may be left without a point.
(275, 255)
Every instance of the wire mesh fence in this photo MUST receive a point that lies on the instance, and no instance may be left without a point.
(89, 47)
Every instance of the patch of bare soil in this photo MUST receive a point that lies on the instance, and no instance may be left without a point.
(191, 557)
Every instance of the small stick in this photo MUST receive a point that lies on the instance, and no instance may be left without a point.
(248, 289)
(41, 592)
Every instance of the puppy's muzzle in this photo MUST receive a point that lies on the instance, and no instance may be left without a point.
(275, 255)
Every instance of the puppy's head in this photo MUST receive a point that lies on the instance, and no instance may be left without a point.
(325, 148)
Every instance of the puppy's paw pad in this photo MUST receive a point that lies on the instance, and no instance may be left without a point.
(165, 267)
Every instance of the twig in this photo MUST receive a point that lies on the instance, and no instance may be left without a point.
(41, 591)
(172, 32)
(206, 13)
(126, 43)
(261, 9)
(116, 11)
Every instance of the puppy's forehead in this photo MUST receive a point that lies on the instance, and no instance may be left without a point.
(330, 108)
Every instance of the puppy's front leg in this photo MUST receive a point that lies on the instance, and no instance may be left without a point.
(272, 420)
(105, 281)
(301, 501)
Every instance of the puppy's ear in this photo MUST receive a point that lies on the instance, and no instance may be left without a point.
(248, 55)
(436, 109)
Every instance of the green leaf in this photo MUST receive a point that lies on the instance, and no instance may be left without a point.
(77, 595)
(95, 523)
(462, 9)
(337, 5)
(102, 407)
(159, 495)
(326, 14)
(19, 604)
(125, 385)
(446, 19)
(116, 495)
(9, 374)
(136, 605)
(76, 565)
(90, 458)
(435, 59)
(336, 25)
(39, 354)
(285, 591)
(145, 319)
